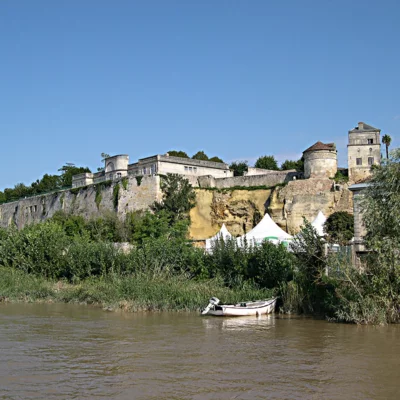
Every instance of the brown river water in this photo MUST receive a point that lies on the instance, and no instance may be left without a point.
(58, 351)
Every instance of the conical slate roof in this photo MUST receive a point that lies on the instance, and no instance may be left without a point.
(266, 229)
(222, 234)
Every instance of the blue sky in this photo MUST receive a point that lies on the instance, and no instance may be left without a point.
(237, 79)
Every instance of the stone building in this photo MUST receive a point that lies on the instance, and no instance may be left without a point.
(116, 167)
(358, 247)
(166, 164)
(363, 151)
(320, 161)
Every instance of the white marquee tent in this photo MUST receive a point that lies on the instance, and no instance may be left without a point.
(222, 234)
(266, 229)
(318, 223)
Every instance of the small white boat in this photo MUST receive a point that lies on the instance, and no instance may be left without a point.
(258, 307)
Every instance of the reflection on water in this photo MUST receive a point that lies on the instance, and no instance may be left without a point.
(73, 352)
(251, 323)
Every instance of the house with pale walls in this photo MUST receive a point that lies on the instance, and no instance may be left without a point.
(116, 167)
(363, 151)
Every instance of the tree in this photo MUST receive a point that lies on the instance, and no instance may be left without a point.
(288, 164)
(200, 155)
(382, 204)
(267, 162)
(19, 191)
(2, 197)
(291, 164)
(386, 140)
(177, 153)
(103, 158)
(68, 171)
(239, 168)
(178, 197)
(339, 227)
(46, 184)
(215, 159)
(374, 295)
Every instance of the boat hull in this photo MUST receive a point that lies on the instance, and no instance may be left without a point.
(252, 308)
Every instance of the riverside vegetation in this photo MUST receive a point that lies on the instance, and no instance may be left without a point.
(72, 260)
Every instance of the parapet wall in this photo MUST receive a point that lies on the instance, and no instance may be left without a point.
(88, 201)
(270, 179)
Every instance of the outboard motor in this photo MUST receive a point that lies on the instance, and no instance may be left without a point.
(212, 302)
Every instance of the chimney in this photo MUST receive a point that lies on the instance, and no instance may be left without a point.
(361, 126)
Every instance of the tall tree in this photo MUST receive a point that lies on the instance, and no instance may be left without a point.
(382, 205)
(291, 164)
(68, 171)
(386, 140)
(178, 197)
(200, 155)
(239, 168)
(267, 162)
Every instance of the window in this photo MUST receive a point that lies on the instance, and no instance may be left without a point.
(370, 141)
(34, 208)
(359, 161)
(370, 160)
(119, 175)
(144, 171)
(186, 169)
(190, 169)
(195, 169)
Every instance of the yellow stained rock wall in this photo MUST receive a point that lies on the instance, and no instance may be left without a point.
(241, 210)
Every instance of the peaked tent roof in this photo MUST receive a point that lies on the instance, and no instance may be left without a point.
(319, 222)
(223, 233)
(265, 229)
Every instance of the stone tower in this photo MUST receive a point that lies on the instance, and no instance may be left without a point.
(320, 161)
(363, 151)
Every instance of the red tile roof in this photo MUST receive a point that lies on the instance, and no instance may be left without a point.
(321, 146)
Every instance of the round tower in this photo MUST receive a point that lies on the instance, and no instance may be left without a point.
(320, 161)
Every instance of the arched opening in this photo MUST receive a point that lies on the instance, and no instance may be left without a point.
(110, 167)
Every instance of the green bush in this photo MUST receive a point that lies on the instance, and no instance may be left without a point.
(339, 227)
(38, 249)
(267, 265)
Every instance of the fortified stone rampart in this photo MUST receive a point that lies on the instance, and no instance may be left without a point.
(270, 179)
(89, 201)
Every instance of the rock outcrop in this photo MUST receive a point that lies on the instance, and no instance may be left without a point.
(241, 210)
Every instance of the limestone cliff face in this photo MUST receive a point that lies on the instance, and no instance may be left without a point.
(89, 202)
(241, 210)
(290, 203)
